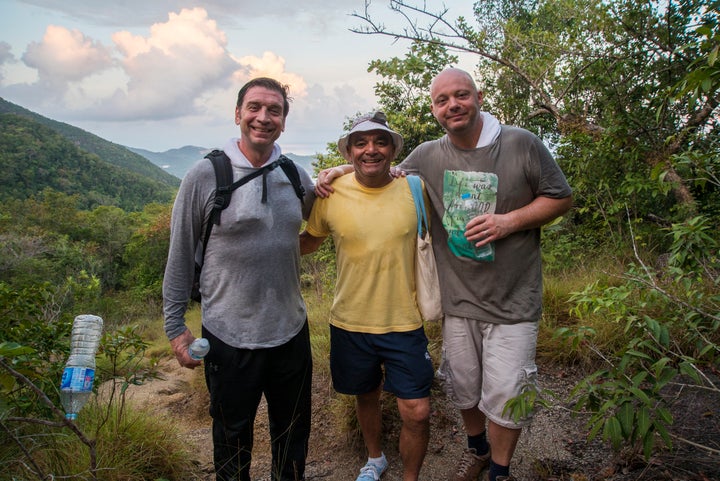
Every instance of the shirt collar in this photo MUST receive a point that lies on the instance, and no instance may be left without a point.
(490, 130)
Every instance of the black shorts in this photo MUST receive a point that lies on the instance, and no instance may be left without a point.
(357, 360)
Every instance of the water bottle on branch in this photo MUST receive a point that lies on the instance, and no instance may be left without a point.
(79, 374)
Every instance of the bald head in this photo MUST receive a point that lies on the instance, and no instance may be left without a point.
(455, 76)
(455, 104)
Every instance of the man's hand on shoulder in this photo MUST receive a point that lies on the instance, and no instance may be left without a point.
(397, 172)
(326, 177)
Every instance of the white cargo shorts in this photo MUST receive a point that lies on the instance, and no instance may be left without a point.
(484, 365)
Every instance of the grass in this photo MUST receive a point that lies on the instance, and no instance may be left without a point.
(163, 453)
(558, 289)
(131, 444)
(318, 306)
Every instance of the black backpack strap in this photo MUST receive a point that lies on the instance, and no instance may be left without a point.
(225, 187)
(223, 180)
(287, 165)
(290, 169)
(227, 191)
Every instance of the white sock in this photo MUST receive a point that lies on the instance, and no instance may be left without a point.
(377, 461)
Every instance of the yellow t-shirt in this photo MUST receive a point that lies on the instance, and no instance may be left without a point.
(375, 232)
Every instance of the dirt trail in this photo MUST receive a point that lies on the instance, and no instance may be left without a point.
(554, 445)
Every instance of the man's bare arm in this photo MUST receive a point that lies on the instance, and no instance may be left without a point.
(309, 243)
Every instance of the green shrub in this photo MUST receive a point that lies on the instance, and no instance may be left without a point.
(667, 321)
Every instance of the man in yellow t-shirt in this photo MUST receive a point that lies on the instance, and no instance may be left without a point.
(375, 322)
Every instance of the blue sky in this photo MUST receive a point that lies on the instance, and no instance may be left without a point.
(162, 74)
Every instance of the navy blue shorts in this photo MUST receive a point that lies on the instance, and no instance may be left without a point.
(357, 360)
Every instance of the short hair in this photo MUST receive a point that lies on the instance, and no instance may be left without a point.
(270, 84)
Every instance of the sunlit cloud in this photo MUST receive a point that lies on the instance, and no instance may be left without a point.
(181, 67)
(190, 28)
(179, 61)
(66, 55)
(270, 65)
(176, 72)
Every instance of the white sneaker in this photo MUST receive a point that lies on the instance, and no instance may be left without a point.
(372, 471)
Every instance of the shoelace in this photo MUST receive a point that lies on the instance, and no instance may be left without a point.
(372, 470)
(466, 462)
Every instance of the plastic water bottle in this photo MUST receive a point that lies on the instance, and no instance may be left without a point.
(79, 374)
(199, 348)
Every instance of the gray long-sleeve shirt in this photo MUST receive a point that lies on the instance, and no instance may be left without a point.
(250, 277)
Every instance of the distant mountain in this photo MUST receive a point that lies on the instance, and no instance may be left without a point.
(174, 161)
(178, 161)
(305, 161)
(108, 151)
(34, 157)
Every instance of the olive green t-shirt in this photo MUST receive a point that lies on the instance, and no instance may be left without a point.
(503, 286)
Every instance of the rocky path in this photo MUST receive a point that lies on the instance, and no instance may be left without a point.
(553, 449)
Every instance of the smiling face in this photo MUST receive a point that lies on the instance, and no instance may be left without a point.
(456, 102)
(261, 120)
(371, 154)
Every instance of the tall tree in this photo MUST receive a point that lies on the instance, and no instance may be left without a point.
(594, 78)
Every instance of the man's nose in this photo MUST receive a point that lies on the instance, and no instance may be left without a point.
(263, 115)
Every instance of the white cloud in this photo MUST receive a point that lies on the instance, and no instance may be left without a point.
(66, 55)
(179, 61)
(6, 54)
(189, 28)
(142, 12)
(270, 65)
(181, 68)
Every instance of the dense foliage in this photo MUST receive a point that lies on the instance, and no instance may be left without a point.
(112, 153)
(34, 157)
(57, 261)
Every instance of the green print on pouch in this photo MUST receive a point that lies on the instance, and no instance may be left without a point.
(467, 195)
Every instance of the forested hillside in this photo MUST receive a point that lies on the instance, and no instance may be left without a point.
(107, 151)
(34, 157)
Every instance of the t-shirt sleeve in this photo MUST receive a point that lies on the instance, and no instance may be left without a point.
(316, 224)
(553, 183)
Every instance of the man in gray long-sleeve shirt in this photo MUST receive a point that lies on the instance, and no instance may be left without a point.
(252, 311)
